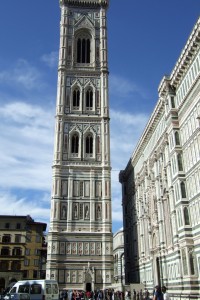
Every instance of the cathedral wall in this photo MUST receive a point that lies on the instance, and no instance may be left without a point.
(161, 191)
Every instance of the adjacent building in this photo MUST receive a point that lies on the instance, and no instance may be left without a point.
(22, 249)
(80, 246)
(161, 184)
(118, 256)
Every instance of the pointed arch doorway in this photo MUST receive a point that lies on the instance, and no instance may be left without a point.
(156, 258)
(88, 287)
(88, 282)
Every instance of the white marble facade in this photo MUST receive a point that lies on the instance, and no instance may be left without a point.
(80, 238)
(118, 255)
(161, 184)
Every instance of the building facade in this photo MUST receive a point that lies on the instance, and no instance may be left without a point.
(118, 257)
(161, 184)
(22, 249)
(80, 250)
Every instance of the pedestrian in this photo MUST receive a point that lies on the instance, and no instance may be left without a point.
(158, 295)
(165, 294)
(61, 295)
(65, 295)
(134, 294)
(141, 294)
(146, 295)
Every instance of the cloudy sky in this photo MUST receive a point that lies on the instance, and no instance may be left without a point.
(145, 41)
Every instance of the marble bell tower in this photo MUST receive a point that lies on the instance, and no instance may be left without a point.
(80, 246)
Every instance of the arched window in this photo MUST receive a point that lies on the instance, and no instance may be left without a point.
(4, 266)
(76, 98)
(16, 265)
(75, 143)
(186, 216)
(184, 262)
(172, 102)
(6, 238)
(180, 164)
(5, 251)
(83, 50)
(183, 190)
(192, 261)
(89, 144)
(16, 251)
(177, 139)
(89, 99)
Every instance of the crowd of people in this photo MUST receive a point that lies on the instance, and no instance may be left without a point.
(109, 294)
(159, 293)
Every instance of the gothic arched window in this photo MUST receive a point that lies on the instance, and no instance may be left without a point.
(75, 143)
(83, 50)
(89, 99)
(183, 190)
(184, 262)
(180, 164)
(177, 139)
(89, 144)
(76, 98)
(186, 216)
(192, 261)
(172, 102)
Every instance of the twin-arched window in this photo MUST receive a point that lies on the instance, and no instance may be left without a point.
(88, 99)
(89, 144)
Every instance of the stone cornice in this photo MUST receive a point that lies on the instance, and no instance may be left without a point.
(85, 3)
(187, 54)
(149, 129)
(168, 85)
(186, 57)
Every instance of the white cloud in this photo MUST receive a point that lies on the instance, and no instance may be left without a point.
(24, 206)
(51, 59)
(26, 150)
(26, 146)
(22, 75)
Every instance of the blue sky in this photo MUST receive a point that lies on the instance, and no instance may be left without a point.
(145, 41)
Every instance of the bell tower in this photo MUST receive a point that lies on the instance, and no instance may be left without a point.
(80, 235)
